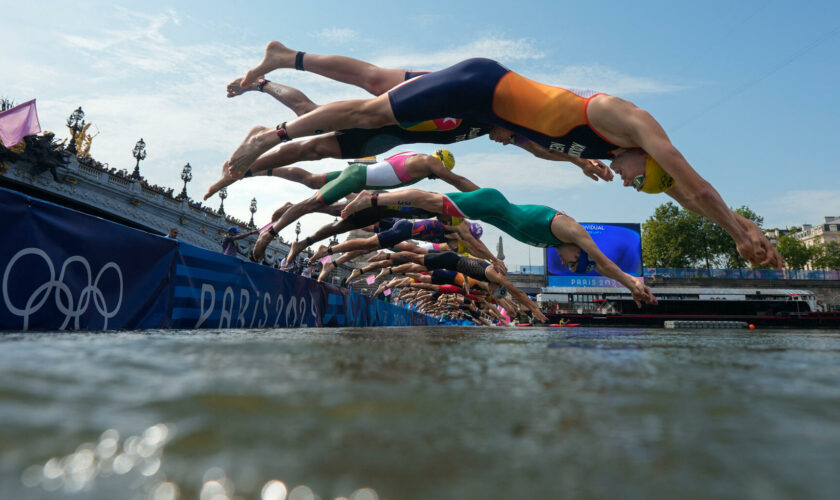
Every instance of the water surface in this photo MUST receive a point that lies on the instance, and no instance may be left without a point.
(411, 413)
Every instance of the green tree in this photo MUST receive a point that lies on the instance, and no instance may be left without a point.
(794, 251)
(674, 237)
(728, 255)
(826, 256)
(668, 238)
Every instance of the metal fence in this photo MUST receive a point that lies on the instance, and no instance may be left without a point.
(755, 274)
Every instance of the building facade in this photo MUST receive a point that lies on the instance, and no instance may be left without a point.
(824, 233)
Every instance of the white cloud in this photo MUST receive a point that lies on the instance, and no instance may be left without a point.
(338, 35)
(501, 49)
(795, 208)
(603, 79)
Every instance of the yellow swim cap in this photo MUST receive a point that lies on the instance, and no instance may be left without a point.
(655, 180)
(446, 157)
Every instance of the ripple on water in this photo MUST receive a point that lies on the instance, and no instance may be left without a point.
(421, 413)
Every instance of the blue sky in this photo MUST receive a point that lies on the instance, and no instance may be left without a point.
(746, 90)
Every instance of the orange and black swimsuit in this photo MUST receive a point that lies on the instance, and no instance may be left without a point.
(485, 91)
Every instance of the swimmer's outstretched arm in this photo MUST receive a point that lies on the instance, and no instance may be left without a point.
(516, 293)
(459, 182)
(476, 246)
(566, 229)
(772, 256)
(695, 192)
(594, 169)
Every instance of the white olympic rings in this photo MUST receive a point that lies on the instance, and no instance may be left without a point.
(63, 295)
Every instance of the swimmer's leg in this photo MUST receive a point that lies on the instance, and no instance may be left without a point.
(360, 113)
(362, 74)
(291, 97)
(432, 202)
(293, 213)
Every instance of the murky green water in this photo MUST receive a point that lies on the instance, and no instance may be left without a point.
(421, 413)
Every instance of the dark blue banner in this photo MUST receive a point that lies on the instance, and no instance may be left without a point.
(64, 270)
(212, 290)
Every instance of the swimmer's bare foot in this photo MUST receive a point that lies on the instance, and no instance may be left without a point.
(360, 202)
(294, 249)
(258, 141)
(321, 252)
(328, 268)
(383, 273)
(235, 88)
(355, 273)
(276, 56)
(258, 253)
(379, 256)
(225, 181)
(280, 211)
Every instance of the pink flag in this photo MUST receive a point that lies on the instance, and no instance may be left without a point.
(325, 259)
(18, 122)
(387, 292)
(370, 279)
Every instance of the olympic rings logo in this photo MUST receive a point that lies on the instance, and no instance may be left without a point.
(64, 299)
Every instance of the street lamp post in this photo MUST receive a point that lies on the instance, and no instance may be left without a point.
(297, 231)
(140, 154)
(186, 176)
(334, 240)
(76, 122)
(253, 209)
(222, 195)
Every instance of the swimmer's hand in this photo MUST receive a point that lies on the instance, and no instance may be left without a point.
(641, 293)
(539, 316)
(500, 267)
(759, 251)
(595, 169)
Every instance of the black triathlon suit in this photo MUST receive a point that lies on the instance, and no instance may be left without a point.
(474, 268)
(359, 142)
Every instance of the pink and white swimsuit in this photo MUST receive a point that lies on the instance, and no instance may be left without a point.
(389, 172)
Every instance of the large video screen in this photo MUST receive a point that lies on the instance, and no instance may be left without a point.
(621, 242)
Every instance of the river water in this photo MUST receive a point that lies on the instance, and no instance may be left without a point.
(421, 413)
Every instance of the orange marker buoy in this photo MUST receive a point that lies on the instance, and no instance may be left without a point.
(752, 326)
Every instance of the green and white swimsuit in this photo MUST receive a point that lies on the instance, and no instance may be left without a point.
(386, 174)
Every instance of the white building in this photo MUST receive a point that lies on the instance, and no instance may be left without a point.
(823, 233)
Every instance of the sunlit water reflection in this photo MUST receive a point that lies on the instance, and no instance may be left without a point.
(410, 413)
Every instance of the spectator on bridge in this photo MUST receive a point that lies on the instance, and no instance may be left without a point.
(229, 242)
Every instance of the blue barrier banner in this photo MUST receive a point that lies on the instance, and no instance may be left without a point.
(213, 290)
(757, 274)
(64, 270)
